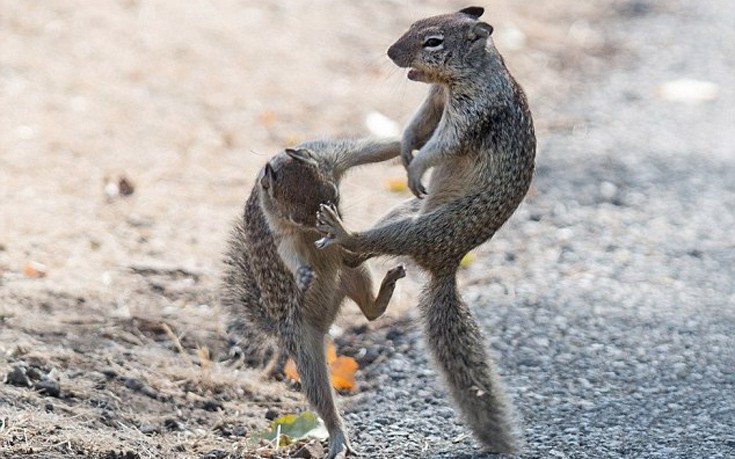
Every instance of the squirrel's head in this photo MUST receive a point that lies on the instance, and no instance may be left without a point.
(293, 184)
(439, 48)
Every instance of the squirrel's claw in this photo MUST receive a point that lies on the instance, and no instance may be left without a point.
(328, 221)
(329, 224)
(415, 172)
(339, 447)
(417, 188)
(326, 241)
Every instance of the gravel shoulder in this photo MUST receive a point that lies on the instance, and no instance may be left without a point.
(609, 298)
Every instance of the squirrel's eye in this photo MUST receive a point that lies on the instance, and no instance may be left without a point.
(433, 42)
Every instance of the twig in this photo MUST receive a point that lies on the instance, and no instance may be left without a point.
(172, 336)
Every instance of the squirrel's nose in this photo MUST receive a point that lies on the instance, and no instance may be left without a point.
(392, 53)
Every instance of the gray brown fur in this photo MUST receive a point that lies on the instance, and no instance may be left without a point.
(272, 247)
(475, 130)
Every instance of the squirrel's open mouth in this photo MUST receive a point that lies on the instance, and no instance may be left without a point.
(415, 74)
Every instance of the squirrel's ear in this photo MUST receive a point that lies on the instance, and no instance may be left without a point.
(474, 11)
(479, 30)
(301, 154)
(268, 176)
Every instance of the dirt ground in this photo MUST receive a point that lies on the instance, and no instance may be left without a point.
(112, 343)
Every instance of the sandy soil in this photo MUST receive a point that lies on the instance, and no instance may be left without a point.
(113, 297)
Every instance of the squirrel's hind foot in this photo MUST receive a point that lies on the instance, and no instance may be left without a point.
(399, 272)
(305, 276)
(339, 446)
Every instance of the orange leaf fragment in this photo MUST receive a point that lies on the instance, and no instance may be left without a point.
(34, 270)
(341, 369)
(342, 372)
(331, 352)
(290, 369)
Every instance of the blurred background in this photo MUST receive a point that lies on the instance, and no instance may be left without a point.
(185, 103)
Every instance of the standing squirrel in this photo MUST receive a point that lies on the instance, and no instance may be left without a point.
(475, 130)
(278, 284)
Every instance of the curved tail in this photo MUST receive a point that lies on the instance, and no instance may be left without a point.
(459, 350)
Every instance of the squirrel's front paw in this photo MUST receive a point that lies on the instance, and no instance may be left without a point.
(330, 225)
(406, 156)
(414, 180)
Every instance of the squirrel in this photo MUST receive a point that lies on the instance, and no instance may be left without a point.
(475, 129)
(278, 284)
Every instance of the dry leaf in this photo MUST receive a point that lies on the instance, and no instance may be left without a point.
(125, 186)
(342, 373)
(34, 270)
(290, 370)
(120, 187)
(397, 184)
(341, 369)
(331, 352)
(289, 428)
(467, 260)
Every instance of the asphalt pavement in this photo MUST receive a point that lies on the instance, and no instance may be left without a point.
(609, 298)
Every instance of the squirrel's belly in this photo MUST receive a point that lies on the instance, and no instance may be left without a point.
(450, 182)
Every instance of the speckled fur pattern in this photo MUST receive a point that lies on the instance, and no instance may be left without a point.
(475, 130)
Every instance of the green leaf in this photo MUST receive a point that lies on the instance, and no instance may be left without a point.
(290, 428)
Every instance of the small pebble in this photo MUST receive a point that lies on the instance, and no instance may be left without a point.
(313, 450)
(173, 425)
(148, 429)
(109, 372)
(211, 405)
(48, 386)
(18, 377)
(134, 384)
(215, 454)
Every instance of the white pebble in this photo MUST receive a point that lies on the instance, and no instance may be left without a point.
(608, 190)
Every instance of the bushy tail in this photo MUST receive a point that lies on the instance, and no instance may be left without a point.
(459, 350)
(250, 328)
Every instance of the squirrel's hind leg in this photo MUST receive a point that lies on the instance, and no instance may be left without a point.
(311, 362)
(357, 284)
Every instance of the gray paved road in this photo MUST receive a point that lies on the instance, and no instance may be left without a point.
(610, 297)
